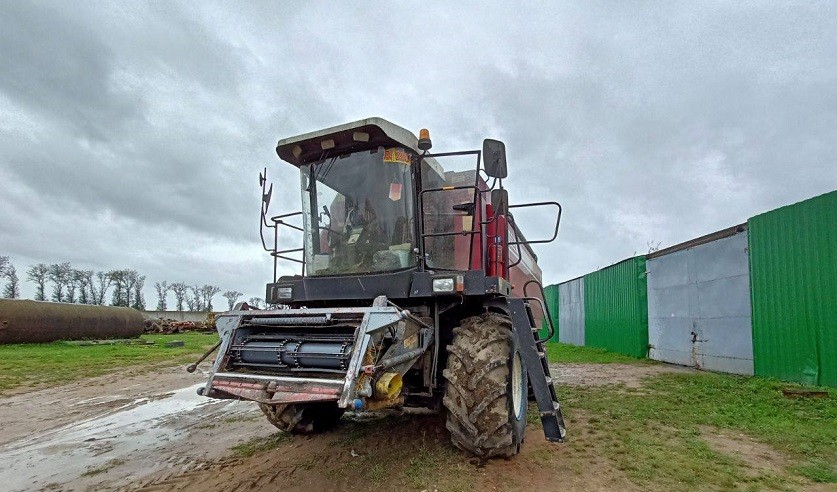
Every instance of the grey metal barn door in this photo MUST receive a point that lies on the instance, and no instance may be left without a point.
(699, 306)
(571, 312)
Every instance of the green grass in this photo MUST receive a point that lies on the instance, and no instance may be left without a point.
(656, 434)
(438, 468)
(259, 444)
(49, 364)
(562, 352)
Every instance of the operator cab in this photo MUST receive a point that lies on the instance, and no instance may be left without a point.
(381, 217)
(359, 213)
(358, 185)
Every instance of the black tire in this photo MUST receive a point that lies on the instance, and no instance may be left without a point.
(308, 418)
(486, 411)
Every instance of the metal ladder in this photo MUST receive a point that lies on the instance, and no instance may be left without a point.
(533, 352)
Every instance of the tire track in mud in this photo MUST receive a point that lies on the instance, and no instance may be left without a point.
(401, 446)
(392, 453)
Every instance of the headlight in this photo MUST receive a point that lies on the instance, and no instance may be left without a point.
(284, 292)
(449, 284)
(443, 285)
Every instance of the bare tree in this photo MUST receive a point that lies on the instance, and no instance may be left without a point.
(59, 275)
(207, 293)
(179, 289)
(162, 290)
(99, 291)
(194, 302)
(131, 277)
(80, 281)
(232, 296)
(39, 274)
(12, 289)
(120, 284)
(72, 284)
(653, 247)
(255, 302)
(138, 284)
(84, 280)
(127, 288)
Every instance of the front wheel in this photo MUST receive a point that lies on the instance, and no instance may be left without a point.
(486, 384)
(306, 418)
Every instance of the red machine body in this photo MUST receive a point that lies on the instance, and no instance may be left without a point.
(498, 253)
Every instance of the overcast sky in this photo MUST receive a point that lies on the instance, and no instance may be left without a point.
(131, 136)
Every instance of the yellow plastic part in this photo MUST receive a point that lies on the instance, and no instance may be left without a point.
(388, 386)
(373, 405)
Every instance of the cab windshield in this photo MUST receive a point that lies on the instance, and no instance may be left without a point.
(358, 213)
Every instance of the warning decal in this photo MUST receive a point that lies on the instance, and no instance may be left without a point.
(397, 154)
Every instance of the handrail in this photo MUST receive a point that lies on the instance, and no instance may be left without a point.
(544, 308)
(557, 220)
(516, 243)
(284, 216)
(278, 254)
(277, 219)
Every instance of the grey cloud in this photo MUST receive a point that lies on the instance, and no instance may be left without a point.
(152, 120)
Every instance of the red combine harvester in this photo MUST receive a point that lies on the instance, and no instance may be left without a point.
(416, 289)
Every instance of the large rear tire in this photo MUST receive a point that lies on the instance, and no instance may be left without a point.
(485, 392)
(307, 418)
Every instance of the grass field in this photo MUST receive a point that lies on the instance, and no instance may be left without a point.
(49, 364)
(665, 432)
(562, 352)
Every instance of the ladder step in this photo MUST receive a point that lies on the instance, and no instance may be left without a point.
(531, 351)
(555, 411)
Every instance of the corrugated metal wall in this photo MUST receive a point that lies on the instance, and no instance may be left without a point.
(616, 308)
(699, 306)
(551, 301)
(793, 272)
(571, 311)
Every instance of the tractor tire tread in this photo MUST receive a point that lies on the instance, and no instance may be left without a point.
(476, 394)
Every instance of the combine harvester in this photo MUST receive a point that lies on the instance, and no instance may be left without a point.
(412, 293)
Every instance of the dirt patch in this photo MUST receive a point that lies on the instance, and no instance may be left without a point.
(400, 453)
(757, 458)
(631, 375)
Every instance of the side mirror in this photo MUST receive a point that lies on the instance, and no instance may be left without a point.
(494, 158)
(500, 201)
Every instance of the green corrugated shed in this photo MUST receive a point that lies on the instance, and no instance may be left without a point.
(551, 301)
(793, 279)
(616, 308)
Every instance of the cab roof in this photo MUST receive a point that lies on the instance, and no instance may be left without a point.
(358, 135)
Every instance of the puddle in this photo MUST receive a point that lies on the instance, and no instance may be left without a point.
(139, 427)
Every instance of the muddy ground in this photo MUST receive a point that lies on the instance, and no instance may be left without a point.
(150, 431)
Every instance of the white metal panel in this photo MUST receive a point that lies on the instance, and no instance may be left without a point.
(571, 312)
(699, 306)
